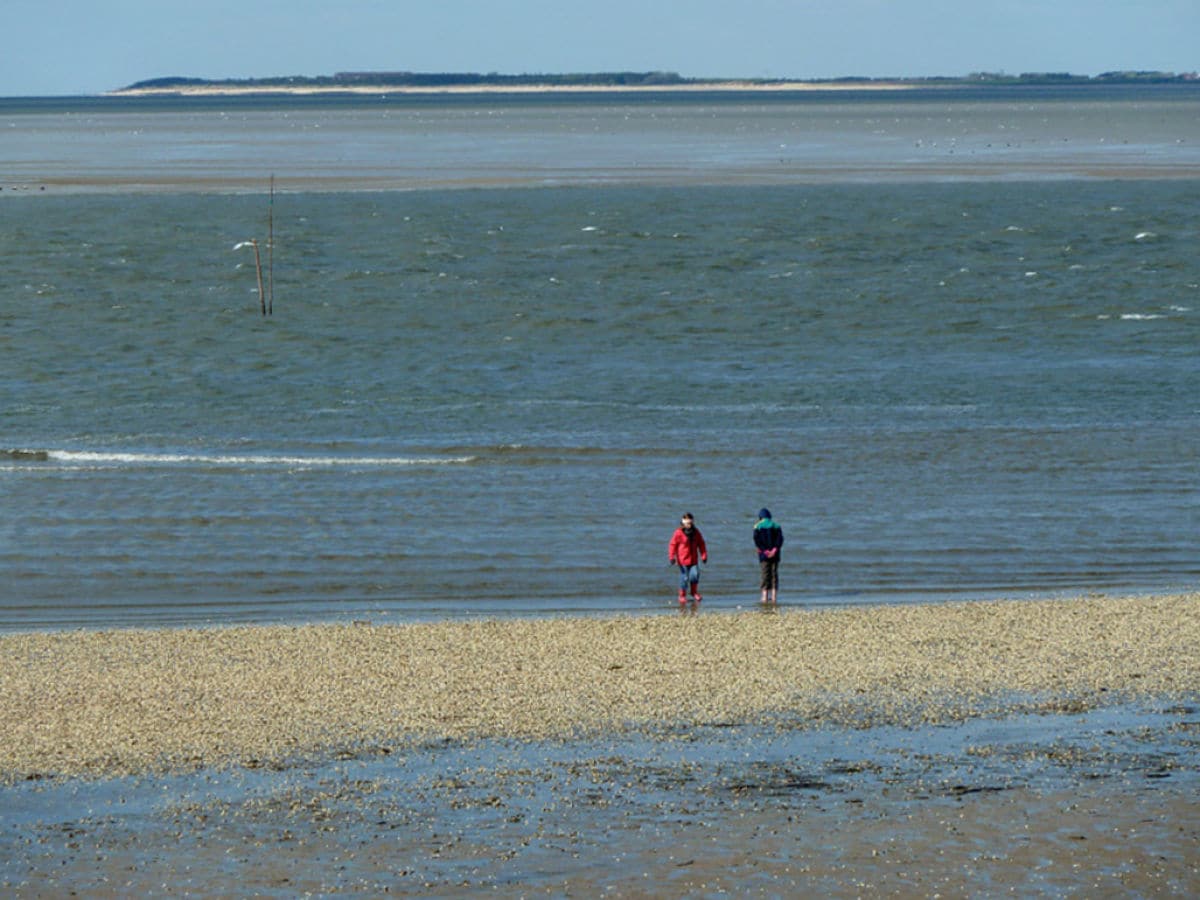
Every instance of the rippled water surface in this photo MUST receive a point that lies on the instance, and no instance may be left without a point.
(499, 400)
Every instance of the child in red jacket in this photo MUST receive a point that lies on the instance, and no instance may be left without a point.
(687, 550)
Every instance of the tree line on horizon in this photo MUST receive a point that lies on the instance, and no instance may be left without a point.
(637, 79)
(429, 79)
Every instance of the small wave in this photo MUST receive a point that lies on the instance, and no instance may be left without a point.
(98, 457)
(535, 453)
(753, 406)
(25, 455)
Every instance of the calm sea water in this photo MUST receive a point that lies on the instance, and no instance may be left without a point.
(966, 382)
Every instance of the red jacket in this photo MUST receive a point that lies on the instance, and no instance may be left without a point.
(685, 550)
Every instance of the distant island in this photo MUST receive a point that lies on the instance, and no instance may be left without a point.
(431, 82)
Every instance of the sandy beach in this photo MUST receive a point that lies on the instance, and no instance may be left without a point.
(1037, 748)
(124, 702)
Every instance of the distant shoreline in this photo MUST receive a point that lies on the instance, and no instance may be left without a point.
(237, 90)
(657, 82)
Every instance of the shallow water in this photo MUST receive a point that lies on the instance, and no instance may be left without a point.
(404, 142)
(1021, 803)
(498, 401)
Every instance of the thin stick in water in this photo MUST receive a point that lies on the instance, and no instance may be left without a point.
(262, 297)
(271, 249)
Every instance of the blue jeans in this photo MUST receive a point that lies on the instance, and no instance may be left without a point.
(688, 575)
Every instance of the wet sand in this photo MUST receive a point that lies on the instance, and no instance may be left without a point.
(1024, 747)
(1100, 803)
(355, 836)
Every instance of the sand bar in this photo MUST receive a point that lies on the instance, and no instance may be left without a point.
(139, 701)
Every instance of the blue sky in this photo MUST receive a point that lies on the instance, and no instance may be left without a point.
(54, 47)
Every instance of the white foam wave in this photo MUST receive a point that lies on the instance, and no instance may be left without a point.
(95, 457)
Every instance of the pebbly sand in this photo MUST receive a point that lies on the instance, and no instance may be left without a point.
(125, 702)
(1032, 747)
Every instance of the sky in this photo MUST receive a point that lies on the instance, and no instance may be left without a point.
(64, 47)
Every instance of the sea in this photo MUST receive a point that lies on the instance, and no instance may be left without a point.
(410, 357)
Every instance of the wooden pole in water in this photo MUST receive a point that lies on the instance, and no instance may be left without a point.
(271, 249)
(262, 297)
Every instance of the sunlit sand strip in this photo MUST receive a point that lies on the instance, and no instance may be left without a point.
(137, 701)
